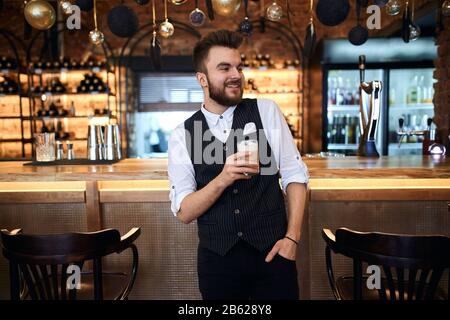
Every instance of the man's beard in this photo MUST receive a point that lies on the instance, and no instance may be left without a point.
(219, 95)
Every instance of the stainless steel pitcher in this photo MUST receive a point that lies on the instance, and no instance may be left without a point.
(95, 143)
(112, 142)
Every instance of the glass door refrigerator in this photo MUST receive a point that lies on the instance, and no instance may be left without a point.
(407, 94)
(410, 98)
(406, 72)
(341, 107)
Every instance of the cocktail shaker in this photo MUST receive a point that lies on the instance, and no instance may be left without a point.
(95, 144)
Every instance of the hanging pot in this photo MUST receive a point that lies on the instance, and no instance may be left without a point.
(155, 52)
(358, 35)
(123, 21)
(262, 19)
(85, 5)
(332, 12)
(246, 26)
(210, 10)
(197, 17)
(406, 22)
(381, 3)
(310, 40)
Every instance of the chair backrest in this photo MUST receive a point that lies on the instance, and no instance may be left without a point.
(39, 263)
(412, 265)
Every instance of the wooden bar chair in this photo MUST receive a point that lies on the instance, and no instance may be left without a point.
(39, 264)
(411, 266)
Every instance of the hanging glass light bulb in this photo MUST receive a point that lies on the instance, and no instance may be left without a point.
(446, 8)
(166, 29)
(66, 6)
(197, 17)
(274, 12)
(393, 7)
(96, 36)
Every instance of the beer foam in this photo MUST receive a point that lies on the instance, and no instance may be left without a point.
(248, 145)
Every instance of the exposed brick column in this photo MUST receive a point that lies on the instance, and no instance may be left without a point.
(441, 98)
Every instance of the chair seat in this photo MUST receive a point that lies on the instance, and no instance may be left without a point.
(344, 286)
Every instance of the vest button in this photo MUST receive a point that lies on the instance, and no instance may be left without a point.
(225, 148)
(239, 234)
(221, 117)
(237, 211)
(235, 191)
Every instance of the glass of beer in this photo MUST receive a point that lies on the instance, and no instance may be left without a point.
(252, 147)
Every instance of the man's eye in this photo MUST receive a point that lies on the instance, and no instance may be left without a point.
(225, 68)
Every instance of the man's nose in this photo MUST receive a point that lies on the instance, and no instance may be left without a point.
(235, 73)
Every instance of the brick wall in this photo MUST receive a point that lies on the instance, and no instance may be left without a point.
(442, 86)
(76, 44)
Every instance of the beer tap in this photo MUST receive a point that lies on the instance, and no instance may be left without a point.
(369, 107)
(428, 134)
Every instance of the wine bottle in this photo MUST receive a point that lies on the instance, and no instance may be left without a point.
(73, 65)
(44, 128)
(72, 109)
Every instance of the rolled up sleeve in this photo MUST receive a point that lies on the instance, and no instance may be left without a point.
(290, 163)
(180, 169)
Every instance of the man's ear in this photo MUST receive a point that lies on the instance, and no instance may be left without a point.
(201, 78)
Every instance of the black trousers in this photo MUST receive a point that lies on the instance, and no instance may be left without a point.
(243, 274)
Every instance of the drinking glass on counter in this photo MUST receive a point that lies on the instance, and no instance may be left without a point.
(45, 146)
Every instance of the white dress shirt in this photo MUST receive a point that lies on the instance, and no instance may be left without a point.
(279, 137)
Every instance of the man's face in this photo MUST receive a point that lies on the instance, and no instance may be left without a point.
(224, 78)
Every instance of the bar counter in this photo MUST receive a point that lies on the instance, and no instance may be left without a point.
(391, 194)
(156, 169)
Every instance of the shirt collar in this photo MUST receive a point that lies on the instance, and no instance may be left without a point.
(214, 117)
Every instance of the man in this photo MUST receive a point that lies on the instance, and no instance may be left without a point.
(248, 245)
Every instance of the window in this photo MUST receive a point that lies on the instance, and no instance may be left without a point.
(174, 91)
(165, 101)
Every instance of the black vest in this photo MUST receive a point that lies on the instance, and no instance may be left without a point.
(250, 210)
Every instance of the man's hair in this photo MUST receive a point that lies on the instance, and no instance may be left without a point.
(221, 38)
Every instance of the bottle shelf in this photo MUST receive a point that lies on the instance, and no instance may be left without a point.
(11, 95)
(13, 117)
(59, 117)
(338, 146)
(412, 106)
(343, 108)
(17, 140)
(8, 71)
(271, 93)
(406, 145)
(66, 70)
(93, 93)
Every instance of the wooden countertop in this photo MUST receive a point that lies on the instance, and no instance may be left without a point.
(402, 167)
